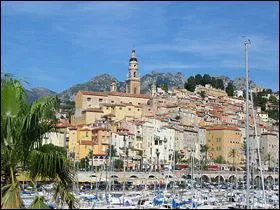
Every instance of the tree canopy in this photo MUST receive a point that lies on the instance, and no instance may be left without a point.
(230, 89)
(192, 81)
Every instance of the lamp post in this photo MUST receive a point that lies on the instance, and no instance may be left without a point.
(157, 153)
(125, 153)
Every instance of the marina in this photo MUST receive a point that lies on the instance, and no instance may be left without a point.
(211, 196)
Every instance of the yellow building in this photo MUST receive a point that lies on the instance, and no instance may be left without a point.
(84, 139)
(101, 140)
(221, 140)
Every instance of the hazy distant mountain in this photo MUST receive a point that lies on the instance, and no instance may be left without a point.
(239, 83)
(171, 79)
(35, 93)
(102, 83)
(99, 83)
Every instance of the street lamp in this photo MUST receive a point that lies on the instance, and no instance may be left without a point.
(157, 153)
(125, 152)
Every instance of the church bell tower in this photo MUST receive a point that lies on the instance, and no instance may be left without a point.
(133, 81)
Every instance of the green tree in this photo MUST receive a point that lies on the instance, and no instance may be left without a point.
(274, 114)
(202, 94)
(119, 164)
(165, 87)
(230, 89)
(113, 151)
(178, 157)
(206, 79)
(84, 163)
(219, 160)
(220, 84)
(204, 150)
(23, 127)
(90, 156)
(259, 100)
(198, 79)
(233, 154)
(190, 84)
(273, 100)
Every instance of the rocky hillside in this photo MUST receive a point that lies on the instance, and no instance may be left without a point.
(102, 83)
(35, 93)
(171, 79)
(239, 83)
(99, 83)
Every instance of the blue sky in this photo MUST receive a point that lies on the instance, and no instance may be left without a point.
(59, 44)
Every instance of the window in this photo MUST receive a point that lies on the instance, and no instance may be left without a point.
(100, 100)
(138, 109)
(156, 142)
(130, 102)
(112, 102)
(120, 108)
(134, 73)
(88, 99)
(139, 103)
(129, 109)
(86, 134)
(107, 108)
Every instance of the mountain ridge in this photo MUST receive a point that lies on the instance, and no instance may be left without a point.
(102, 83)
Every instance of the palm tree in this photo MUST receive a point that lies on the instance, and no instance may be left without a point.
(233, 154)
(204, 150)
(113, 153)
(90, 156)
(23, 127)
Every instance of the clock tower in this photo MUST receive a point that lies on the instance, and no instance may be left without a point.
(133, 81)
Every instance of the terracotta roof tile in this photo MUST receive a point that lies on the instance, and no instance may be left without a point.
(115, 94)
(223, 127)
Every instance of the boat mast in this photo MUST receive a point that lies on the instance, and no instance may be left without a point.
(247, 126)
(258, 147)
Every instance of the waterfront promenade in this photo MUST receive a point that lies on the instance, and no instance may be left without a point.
(177, 175)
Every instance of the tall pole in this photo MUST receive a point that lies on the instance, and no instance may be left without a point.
(247, 125)
(110, 156)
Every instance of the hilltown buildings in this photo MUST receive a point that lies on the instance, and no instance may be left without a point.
(152, 128)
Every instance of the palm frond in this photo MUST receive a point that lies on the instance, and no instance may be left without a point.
(63, 195)
(12, 97)
(11, 197)
(39, 203)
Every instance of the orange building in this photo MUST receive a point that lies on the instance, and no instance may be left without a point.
(83, 139)
(221, 140)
